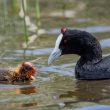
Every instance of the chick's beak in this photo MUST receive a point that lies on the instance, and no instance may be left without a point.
(32, 74)
(33, 78)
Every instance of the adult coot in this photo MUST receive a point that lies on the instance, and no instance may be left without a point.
(91, 65)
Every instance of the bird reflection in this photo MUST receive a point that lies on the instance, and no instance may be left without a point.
(89, 91)
(29, 104)
(27, 90)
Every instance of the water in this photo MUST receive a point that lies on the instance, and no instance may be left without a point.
(55, 87)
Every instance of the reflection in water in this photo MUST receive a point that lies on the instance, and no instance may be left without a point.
(28, 104)
(20, 88)
(18, 95)
(27, 90)
(89, 91)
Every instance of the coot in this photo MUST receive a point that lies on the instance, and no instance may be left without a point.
(91, 65)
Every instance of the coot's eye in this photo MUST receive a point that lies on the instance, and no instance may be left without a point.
(65, 41)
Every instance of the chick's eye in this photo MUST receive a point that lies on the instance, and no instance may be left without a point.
(28, 68)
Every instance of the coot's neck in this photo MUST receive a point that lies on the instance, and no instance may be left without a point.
(90, 56)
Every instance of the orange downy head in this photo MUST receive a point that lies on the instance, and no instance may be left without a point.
(30, 70)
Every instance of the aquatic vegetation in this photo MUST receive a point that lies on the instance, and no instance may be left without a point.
(25, 27)
(38, 13)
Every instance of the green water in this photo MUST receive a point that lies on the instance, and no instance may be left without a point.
(55, 87)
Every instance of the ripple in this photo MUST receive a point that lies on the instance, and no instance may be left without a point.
(43, 51)
(98, 107)
(3, 86)
(61, 70)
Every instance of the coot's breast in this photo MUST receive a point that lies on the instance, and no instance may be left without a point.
(99, 70)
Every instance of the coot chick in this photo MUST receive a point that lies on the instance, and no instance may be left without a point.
(91, 65)
(23, 72)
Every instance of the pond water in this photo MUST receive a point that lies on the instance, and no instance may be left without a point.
(55, 87)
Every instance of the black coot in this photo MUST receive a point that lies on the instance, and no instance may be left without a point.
(91, 65)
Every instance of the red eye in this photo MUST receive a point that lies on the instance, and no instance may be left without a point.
(63, 30)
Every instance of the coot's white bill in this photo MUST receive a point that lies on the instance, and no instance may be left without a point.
(54, 55)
